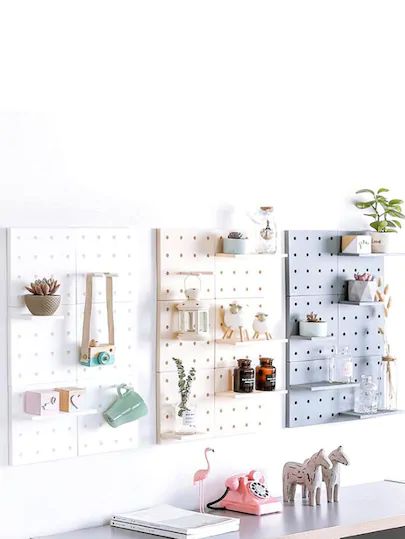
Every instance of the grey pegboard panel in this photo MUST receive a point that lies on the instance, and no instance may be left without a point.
(316, 281)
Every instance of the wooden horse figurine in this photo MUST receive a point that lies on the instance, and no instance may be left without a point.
(308, 474)
(332, 476)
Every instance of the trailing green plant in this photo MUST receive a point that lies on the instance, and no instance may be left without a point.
(184, 383)
(44, 287)
(384, 212)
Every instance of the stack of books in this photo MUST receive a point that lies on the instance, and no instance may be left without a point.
(170, 521)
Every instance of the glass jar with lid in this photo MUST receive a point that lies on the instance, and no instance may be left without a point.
(243, 377)
(266, 375)
(267, 241)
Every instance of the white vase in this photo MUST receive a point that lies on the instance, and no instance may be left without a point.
(380, 242)
(361, 290)
(313, 329)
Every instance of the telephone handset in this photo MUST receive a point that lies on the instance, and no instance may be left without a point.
(247, 493)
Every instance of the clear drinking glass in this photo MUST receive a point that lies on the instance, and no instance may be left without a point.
(366, 399)
(341, 367)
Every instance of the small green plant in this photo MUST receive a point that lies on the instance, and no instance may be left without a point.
(43, 287)
(184, 383)
(384, 212)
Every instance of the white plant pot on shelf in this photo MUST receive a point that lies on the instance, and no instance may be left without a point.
(313, 329)
(380, 242)
(235, 246)
(361, 290)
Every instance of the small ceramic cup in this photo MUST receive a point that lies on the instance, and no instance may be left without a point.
(128, 406)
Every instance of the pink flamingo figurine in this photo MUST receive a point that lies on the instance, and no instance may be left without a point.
(200, 476)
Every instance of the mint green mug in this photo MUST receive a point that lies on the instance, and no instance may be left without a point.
(128, 406)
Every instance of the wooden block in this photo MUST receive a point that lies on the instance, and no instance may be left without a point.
(41, 402)
(356, 244)
(70, 398)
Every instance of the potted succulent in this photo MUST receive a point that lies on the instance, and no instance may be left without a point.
(385, 214)
(313, 326)
(184, 410)
(362, 288)
(42, 299)
(235, 244)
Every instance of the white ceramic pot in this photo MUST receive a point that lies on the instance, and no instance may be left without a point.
(235, 246)
(380, 242)
(361, 290)
(313, 329)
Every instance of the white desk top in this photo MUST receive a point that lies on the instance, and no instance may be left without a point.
(362, 509)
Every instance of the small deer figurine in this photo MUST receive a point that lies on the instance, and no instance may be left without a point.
(331, 477)
(308, 474)
(261, 326)
(234, 321)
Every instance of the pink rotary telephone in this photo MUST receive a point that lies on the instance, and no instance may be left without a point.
(247, 494)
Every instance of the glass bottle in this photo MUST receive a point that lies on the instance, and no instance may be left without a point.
(264, 217)
(243, 377)
(265, 375)
(366, 400)
(388, 384)
(186, 423)
(341, 367)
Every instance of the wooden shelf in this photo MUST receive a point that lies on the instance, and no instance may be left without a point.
(324, 386)
(380, 413)
(178, 437)
(314, 339)
(57, 415)
(232, 342)
(252, 395)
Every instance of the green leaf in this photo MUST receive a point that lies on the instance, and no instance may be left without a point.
(382, 190)
(396, 201)
(376, 225)
(363, 205)
(365, 191)
(395, 213)
(398, 223)
(374, 215)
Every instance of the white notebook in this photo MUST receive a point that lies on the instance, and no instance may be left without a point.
(179, 523)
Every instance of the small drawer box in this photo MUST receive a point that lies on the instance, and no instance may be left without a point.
(359, 244)
(41, 402)
(71, 398)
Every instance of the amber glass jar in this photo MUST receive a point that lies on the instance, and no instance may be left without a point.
(243, 377)
(265, 375)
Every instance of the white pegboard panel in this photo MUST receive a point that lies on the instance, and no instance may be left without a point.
(107, 249)
(94, 434)
(254, 281)
(202, 396)
(185, 250)
(198, 354)
(37, 253)
(49, 438)
(44, 352)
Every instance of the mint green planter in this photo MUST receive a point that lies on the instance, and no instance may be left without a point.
(235, 246)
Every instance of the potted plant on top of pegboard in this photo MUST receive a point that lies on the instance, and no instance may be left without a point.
(385, 214)
(42, 299)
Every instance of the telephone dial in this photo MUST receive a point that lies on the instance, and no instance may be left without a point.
(247, 494)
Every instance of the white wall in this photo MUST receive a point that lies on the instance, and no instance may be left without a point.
(184, 113)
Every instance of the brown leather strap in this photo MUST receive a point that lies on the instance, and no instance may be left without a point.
(88, 308)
